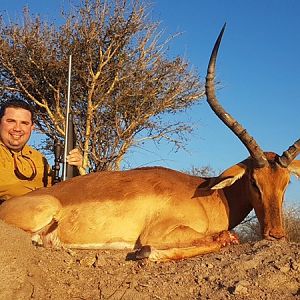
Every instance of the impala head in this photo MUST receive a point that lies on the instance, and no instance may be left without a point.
(266, 187)
(265, 174)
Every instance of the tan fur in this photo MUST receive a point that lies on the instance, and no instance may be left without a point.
(31, 213)
(161, 213)
(294, 168)
(173, 213)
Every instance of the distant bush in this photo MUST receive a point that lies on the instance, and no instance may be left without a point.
(292, 224)
(249, 229)
(205, 171)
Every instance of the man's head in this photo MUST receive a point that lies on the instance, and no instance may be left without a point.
(16, 124)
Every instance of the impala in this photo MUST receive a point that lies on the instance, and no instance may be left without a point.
(159, 213)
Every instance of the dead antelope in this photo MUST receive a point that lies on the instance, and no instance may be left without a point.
(160, 213)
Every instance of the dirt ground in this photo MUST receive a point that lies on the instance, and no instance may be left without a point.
(261, 270)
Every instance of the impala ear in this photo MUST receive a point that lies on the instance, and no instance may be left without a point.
(294, 168)
(228, 177)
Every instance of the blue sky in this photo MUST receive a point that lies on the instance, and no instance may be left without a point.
(258, 66)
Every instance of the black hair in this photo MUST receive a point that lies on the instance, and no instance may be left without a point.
(16, 104)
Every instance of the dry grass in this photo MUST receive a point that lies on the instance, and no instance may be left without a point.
(292, 224)
(249, 230)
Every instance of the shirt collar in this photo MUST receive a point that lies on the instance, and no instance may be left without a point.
(27, 150)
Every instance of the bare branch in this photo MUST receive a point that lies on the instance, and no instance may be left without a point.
(123, 83)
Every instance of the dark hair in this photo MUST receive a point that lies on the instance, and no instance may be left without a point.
(16, 104)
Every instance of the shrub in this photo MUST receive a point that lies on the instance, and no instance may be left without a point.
(249, 229)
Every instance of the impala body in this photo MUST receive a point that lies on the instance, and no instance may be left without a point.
(160, 213)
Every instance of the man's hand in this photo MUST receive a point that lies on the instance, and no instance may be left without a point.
(75, 158)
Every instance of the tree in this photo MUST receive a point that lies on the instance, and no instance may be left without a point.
(205, 171)
(123, 84)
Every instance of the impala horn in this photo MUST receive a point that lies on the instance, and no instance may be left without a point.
(289, 155)
(255, 151)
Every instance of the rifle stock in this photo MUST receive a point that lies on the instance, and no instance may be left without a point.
(59, 155)
(71, 171)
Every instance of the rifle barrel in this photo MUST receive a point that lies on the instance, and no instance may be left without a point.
(66, 150)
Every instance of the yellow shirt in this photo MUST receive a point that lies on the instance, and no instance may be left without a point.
(22, 172)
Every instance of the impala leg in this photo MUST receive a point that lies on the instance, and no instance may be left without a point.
(178, 245)
(30, 213)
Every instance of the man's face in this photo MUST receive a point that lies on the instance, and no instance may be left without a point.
(15, 128)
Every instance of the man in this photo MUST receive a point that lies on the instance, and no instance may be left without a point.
(22, 168)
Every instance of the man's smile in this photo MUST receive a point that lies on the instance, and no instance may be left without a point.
(16, 136)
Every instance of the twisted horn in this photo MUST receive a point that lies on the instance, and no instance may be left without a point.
(256, 153)
(289, 155)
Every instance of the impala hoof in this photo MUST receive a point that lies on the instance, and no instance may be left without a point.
(142, 253)
(226, 238)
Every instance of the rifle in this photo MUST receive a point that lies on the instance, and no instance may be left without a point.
(60, 151)
(57, 149)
